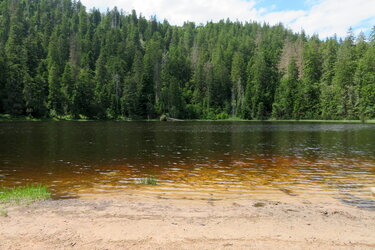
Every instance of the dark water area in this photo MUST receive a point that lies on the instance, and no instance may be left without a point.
(199, 158)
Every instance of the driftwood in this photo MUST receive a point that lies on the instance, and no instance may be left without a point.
(173, 120)
(164, 118)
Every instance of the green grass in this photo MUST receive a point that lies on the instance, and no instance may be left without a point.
(150, 180)
(26, 194)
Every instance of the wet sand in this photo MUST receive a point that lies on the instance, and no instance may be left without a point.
(144, 221)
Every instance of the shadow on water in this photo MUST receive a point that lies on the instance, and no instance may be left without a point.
(358, 202)
(288, 192)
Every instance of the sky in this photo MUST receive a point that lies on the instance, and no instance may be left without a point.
(322, 17)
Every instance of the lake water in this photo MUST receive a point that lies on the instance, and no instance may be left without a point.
(190, 158)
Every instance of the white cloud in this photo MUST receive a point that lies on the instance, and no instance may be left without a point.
(335, 16)
(325, 17)
(179, 11)
(286, 17)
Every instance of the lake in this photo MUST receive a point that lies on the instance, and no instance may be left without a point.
(241, 159)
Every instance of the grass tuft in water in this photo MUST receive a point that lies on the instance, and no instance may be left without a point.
(150, 180)
(26, 194)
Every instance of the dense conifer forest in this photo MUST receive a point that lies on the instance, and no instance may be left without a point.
(58, 58)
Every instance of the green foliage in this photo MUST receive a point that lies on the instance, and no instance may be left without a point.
(347, 92)
(34, 96)
(57, 59)
(284, 106)
(306, 104)
(55, 97)
(365, 80)
(260, 86)
(83, 95)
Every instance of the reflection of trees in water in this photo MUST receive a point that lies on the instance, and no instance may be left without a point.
(221, 156)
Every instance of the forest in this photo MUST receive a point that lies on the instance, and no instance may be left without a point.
(59, 59)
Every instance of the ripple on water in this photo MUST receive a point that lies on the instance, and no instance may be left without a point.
(192, 158)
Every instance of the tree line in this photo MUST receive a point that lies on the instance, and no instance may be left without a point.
(59, 59)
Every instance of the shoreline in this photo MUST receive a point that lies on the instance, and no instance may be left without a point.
(9, 118)
(136, 221)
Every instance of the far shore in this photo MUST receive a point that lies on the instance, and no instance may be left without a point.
(136, 221)
(7, 118)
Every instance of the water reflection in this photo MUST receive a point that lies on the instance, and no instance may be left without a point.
(241, 158)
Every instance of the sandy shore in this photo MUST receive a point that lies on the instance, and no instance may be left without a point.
(153, 222)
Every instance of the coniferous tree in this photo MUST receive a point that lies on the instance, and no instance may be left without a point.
(3, 78)
(15, 53)
(284, 106)
(259, 86)
(365, 81)
(307, 99)
(150, 76)
(129, 99)
(35, 97)
(238, 84)
(328, 97)
(67, 88)
(55, 96)
(58, 58)
(344, 80)
(83, 95)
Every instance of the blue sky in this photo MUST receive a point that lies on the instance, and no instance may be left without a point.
(322, 17)
(280, 5)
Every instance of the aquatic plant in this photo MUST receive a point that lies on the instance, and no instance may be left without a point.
(25, 194)
(149, 180)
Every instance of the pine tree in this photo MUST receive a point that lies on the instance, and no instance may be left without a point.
(3, 78)
(83, 95)
(35, 97)
(129, 99)
(284, 105)
(365, 81)
(344, 80)
(101, 80)
(55, 96)
(58, 58)
(238, 78)
(259, 86)
(328, 97)
(67, 88)
(15, 54)
(307, 100)
(150, 76)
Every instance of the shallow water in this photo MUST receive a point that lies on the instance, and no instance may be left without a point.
(190, 158)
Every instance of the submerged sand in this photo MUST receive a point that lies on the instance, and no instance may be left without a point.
(132, 221)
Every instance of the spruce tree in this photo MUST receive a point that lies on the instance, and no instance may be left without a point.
(284, 106)
(16, 58)
(344, 80)
(59, 58)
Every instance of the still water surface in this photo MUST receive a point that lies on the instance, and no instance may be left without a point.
(190, 158)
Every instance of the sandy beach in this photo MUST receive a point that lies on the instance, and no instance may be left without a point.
(139, 221)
